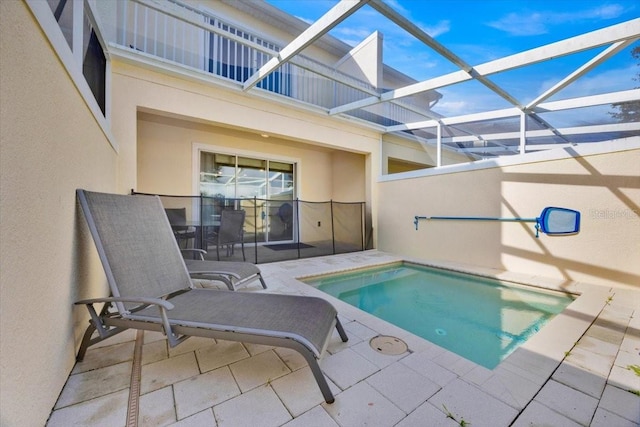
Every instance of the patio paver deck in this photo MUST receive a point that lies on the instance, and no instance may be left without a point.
(204, 382)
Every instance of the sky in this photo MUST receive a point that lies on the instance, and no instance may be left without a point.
(480, 31)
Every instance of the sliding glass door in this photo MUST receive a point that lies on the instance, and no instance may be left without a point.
(263, 188)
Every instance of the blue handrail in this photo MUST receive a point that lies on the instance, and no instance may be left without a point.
(552, 220)
(479, 218)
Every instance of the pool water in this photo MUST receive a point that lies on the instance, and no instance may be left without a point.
(481, 319)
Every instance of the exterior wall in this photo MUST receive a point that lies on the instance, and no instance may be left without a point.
(404, 150)
(165, 159)
(237, 121)
(605, 188)
(50, 144)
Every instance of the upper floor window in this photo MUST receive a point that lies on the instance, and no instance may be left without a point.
(75, 20)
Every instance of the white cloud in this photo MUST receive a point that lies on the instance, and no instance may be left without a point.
(438, 29)
(353, 36)
(536, 23)
(521, 25)
(395, 5)
(613, 80)
(307, 20)
(453, 108)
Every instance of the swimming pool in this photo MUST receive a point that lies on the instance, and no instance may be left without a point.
(481, 319)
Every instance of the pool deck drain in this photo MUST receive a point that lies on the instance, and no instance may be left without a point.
(391, 346)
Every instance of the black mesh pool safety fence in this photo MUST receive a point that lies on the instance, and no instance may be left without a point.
(273, 229)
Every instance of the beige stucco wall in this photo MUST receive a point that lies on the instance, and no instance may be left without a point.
(165, 160)
(409, 151)
(605, 188)
(50, 144)
(337, 160)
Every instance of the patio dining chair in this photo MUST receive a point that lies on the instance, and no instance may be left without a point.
(178, 219)
(151, 290)
(230, 233)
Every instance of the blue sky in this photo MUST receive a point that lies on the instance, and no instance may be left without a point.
(480, 31)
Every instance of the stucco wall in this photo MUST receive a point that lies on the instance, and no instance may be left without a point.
(225, 118)
(401, 149)
(50, 144)
(165, 159)
(605, 188)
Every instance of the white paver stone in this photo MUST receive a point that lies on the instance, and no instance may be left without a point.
(421, 363)
(96, 383)
(192, 344)
(220, 354)
(593, 362)
(258, 370)
(258, 407)
(510, 387)
(536, 414)
(403, 386)
(427, 415)
(468, 403)
(375, 357)
(580, 379)
(317, 417)
(621, 402)
(299, 391)
(204, 418)
(96, 358)
(157, 408)
(204, 391)
(347, 368)
(624, 378)
(169, 371)
(362, 405)
(155, 351)
(291, 358)
(567, 401)
(105, 411)
(604, 418)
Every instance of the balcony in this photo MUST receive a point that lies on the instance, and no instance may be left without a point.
(177, 34)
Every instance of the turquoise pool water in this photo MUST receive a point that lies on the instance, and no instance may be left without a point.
(480, 319)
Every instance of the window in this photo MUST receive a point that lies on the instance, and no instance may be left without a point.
(70, 27)
(239, 177)
(75, 22)
(94, 64)
(63, 13)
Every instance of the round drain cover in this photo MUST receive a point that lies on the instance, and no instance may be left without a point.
(385, 344)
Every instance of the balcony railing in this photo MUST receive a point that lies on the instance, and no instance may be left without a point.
(194, 38)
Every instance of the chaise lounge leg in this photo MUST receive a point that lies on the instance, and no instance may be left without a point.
(319, 376)
(341, 332)
(86, 342)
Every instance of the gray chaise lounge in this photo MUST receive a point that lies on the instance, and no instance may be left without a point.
(151, 290)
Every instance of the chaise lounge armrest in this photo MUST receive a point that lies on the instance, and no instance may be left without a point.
(199, 253)
(107, 326)
(139, 300)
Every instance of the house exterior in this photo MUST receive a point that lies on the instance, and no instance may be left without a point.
(155, 116)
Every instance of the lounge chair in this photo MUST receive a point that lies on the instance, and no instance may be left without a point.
(151, 290)
(234, 274)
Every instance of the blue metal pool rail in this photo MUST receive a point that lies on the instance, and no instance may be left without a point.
(479, 218)
(552, 220)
